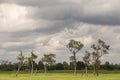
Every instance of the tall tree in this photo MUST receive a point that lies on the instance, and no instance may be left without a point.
(48, 59)
(74, 47)
(86, 60)
(99, 50)
(20, 57)
(31, 60)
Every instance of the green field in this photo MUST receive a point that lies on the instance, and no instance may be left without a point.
(60, 75)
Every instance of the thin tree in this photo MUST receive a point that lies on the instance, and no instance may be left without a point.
(20, 57)
(99, 49)
(86, 60)
(48, 59)
(74, 47)
(31, 60)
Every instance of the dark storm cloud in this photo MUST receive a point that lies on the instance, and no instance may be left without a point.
(77, 11)
(37, 3)
(105, 13)
(19, 47)
(93, 12)
(71, 13)
(55, 28)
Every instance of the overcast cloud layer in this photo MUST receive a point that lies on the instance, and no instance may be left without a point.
(46, 26)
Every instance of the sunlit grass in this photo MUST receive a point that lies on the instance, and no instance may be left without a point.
(58, 76)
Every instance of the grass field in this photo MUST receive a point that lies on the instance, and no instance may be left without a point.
(60, 75)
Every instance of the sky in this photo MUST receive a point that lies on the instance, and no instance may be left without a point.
(46, 26)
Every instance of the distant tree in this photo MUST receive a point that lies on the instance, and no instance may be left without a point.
(108, 66)
(4, 62)
(20, 57)
(6, 65)
(117, 67)
(52, 67)
(40, 65)
(65, 65)
(31, 60)
(59, 66)
(48, 59)
(99, 50)
(71, 66)
(86, 60)
(80, 65)
(74, 47)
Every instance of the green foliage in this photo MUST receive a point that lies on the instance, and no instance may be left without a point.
(74, 46)
(86, 58)
(59, 66)
(65, 65)
(99, 50)
(33, 56)
(48, 59)
(20, 57)
(40, 65)
(72, 59)
(80, 65)
(51, 67)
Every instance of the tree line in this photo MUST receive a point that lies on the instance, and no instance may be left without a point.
(91, 59)
(9, 66)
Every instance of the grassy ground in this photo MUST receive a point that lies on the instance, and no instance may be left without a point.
(60, 75)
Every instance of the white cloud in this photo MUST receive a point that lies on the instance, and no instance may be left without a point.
(15, 44)
(112, 58)
(14, 18)
(11, 17)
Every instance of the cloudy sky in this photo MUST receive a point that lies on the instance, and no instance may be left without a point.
(46, 26)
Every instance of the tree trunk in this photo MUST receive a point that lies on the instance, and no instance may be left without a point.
(32, 68)
(86, 70)
(94, 72)
(45, 68)
(74, 68)
(97, 74)
(36, 71)
(75, 65)
(19, 67)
